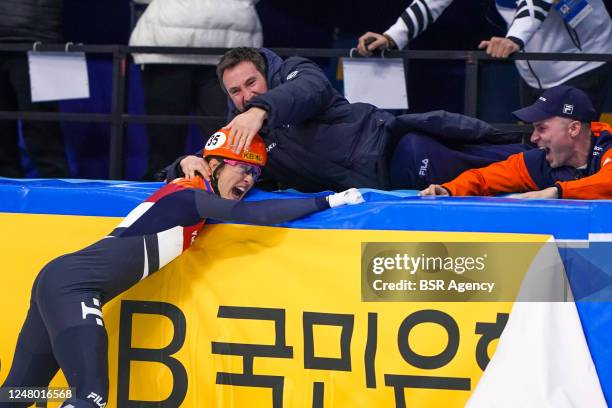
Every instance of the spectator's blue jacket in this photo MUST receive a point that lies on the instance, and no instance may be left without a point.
(317, 140)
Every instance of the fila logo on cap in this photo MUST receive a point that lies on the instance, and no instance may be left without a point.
(568, 109)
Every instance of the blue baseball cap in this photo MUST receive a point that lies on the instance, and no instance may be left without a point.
(563, 101)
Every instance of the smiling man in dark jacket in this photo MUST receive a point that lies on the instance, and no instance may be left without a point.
(317, 140)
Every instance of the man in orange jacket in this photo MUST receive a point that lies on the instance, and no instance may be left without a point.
(572, 159)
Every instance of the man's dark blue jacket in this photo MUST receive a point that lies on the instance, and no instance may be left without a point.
(317, 140)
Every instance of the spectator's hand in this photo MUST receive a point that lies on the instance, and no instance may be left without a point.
(244, 127)
(499, 47)
(193, 166)
(434, 190)
(550, 192)
(351, 196)
(380, 41)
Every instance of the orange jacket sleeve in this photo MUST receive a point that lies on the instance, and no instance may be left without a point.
(507, 176)
(596, 186)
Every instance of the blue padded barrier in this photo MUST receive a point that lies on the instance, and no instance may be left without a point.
(403, 210)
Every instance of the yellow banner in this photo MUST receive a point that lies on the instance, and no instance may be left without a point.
(265, 317)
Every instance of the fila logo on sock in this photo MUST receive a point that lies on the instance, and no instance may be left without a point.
(95, 311)
(96, 399)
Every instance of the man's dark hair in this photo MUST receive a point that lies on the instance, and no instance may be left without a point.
(237, 55)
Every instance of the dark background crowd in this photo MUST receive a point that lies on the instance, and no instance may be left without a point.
(314, 24)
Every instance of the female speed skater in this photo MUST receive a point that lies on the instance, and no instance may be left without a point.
(64, 327)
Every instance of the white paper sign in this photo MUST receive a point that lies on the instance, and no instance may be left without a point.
(56, 76)
(381, 82)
